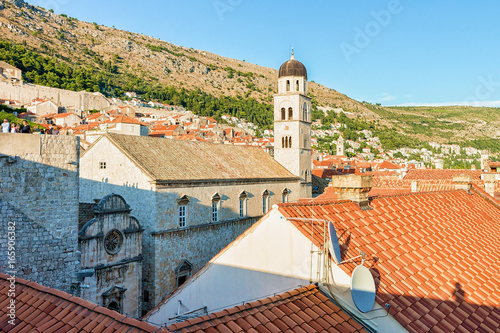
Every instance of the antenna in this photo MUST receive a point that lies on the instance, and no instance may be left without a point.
(363, 288)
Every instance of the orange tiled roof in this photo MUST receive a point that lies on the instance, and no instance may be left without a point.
(433, 174)
(433, 255)
(42, 309)
(125, 119)
(63, 115)
(305, 309)
(388, 165)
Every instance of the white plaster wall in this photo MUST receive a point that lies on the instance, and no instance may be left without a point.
(273, 257)
(121, 176)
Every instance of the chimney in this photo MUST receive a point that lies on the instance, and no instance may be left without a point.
(489, 183)
(354, 188)
(414, 186)
(463, 182)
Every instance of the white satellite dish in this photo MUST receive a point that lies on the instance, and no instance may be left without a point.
(363, 288)
(334, 244)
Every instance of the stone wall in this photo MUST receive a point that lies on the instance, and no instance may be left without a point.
(26, 92)
(39, 192)
(197, 244)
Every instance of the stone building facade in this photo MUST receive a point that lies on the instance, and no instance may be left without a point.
(111, 247)
(192, 198)
(39, 177)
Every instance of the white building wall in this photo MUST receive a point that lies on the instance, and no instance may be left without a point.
(270, 258)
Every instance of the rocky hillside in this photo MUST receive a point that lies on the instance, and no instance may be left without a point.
(129, 57)
(150, 59)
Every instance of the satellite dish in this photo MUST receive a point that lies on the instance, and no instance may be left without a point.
(334, 244)
(363, 288)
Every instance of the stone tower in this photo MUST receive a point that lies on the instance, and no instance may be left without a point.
(340, 146)
(292, 123)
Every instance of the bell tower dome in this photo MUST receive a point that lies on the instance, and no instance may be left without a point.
(292, 123)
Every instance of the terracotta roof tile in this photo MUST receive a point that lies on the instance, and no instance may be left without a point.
(165, 159)
(436, 262)
(42, 309)
(277, 314)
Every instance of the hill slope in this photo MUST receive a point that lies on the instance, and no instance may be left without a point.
(154, 61)
(119, 60)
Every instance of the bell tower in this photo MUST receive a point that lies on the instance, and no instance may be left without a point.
(292, 123)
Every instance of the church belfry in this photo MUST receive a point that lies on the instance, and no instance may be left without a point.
(292, 123)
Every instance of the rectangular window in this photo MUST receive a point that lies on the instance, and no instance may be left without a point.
(102, 165)
(242, 207)
(182, 216)
(215, 211)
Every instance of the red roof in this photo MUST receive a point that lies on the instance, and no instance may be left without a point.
(42, 309)
(433, 255)
(305, 309)
(63, 115)
(436, 174)
(388, 165)
(125, 119)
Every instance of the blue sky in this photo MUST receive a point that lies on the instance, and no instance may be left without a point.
(394, 52)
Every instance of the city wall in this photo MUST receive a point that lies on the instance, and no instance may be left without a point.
(39, 202)
(26, 92)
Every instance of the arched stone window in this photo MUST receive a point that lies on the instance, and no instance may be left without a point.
(304, 110)
(289, 142)
(285, 194)
(283, 114)
(182, 210)
(243, 204)
(215, 207)
(297, 86)
(290, 113)
(265, 201)
(113, 298)
(183, 272)
(287, 85)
